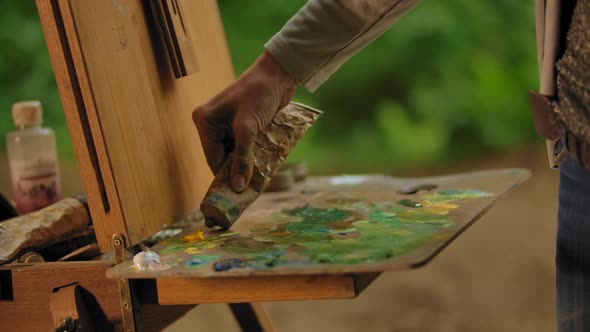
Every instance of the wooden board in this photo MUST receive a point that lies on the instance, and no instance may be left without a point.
(32, 286)
(130, 120)
(187, 290)
(336, 225)
(173, 291)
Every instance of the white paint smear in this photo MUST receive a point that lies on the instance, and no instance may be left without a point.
(348, 180)
(149, 260)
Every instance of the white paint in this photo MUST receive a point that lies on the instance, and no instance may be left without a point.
(149, 260)
(348, 180)
(167, 233)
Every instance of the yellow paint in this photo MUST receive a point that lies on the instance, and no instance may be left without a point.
(195, 237)
(447, 206)
(192, 250)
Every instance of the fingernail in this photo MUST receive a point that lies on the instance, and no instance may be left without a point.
(239, 183)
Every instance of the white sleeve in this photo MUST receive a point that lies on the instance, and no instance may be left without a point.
(324, 34)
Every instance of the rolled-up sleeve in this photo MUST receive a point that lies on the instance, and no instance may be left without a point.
(324, 34)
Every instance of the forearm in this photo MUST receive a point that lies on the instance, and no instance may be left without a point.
(324, 34)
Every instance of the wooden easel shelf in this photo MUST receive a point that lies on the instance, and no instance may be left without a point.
(261, 289)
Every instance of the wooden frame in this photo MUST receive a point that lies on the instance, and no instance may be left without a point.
(261, 289)
(129, 118)
(31, 286)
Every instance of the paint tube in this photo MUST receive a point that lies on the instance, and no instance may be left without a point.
(221, 206)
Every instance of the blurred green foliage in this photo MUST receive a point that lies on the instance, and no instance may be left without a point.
(449, 80)
(25, 70)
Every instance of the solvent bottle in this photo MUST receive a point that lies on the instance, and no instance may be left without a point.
(32, 158)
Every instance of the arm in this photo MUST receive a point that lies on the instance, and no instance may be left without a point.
(321, 37)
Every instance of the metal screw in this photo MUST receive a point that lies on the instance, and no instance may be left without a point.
(117, 242)
(126, 306)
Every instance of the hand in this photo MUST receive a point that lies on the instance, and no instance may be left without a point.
(231, 120)
(577, 148)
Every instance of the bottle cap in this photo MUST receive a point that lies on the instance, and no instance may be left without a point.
(27, 113)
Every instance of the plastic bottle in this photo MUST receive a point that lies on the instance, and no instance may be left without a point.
(32, 157)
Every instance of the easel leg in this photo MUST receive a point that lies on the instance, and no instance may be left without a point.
(252, 317)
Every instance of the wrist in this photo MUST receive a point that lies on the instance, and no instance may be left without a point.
(275, 72)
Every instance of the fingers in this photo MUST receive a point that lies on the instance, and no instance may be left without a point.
(215, 142)
(208, 133)
(242, 163)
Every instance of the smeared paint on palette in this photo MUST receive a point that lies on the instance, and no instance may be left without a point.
(336, 225)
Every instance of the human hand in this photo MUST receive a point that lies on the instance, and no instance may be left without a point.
(577, 148)
(231, 120)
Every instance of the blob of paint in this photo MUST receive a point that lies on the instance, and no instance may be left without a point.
(197, 236)
(149, 260)
(228, 264)
(347, 180)
(199, 261)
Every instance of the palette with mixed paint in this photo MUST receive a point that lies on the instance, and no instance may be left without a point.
(335, 225)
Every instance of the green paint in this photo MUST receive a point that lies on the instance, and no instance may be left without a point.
(313, 224)
(345, 231)
(381, 217)
(224, 204)
(420, 217)
(310, 214)
(451, 195)
(198, 261)
(384, 235)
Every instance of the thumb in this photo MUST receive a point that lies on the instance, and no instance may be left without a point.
(242, 156)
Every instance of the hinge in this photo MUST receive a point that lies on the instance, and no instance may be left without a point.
(124, 286)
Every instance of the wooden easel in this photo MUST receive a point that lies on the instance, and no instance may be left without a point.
(129, 74)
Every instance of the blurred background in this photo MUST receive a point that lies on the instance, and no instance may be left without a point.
(445, 90)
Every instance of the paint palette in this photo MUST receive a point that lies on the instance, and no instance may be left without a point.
(342, 224)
